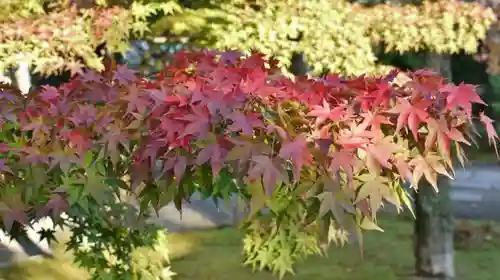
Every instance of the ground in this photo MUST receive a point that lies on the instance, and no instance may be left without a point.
(216, 255)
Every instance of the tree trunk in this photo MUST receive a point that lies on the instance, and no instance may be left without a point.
(434, 218)
(440, 63)
(23, 77)
(299, 65)
(434, 232)
(19, 76)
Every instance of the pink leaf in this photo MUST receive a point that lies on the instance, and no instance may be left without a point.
(490, 131)
(14, 215)
(463, 96)
(49, 93)
(124, 75)
(298, 152)
(244, 123)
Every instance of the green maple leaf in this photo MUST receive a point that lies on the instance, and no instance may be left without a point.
(258, 197)
(265, 257)
(377, 189)
(72, 186)
(284, 262)
(328, 204)
(224, 185)
(95, 185)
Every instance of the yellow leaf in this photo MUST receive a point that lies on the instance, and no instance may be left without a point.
(368, 224)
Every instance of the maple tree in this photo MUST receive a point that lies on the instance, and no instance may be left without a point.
(321, 154)
(341, 36)
(57, 36)
(37, 28)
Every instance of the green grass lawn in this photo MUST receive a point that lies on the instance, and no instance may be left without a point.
(216, 255)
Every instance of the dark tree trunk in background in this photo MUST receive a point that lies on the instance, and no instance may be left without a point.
(299, 65)
(434, 218)
(434, 232)
(440, 63)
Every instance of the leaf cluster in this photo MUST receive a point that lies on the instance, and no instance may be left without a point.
(115, 251)
(14, 9)
(322, 154)
(334, 36)
(66, 39)
(491, 48)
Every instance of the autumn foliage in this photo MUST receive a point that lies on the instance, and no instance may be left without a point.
(219, 123)
(64, 35)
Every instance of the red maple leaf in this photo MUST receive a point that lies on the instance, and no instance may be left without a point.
(124, 75)
(375, 121)
(355, 136)
(112, 139)
(79, 140)
(137, 99)
(83, 114)
(463, 96)
(254, 61)
(439, 130)
(171, 128)
(151, 150)
(383, 150)
(271, 173)
(490, 131)
(139, 170)
(231, 56)
(56, 205)
(324, 112)
(255, 83)
(298, 152)
(49, 93)
(199, 122)
(90, 76)
(380, 95)
(410, 114)
(213, 153)
(245, 123)
(344, 159)
(14, 215)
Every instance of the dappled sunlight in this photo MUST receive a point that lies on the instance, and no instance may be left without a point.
(180, 245)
